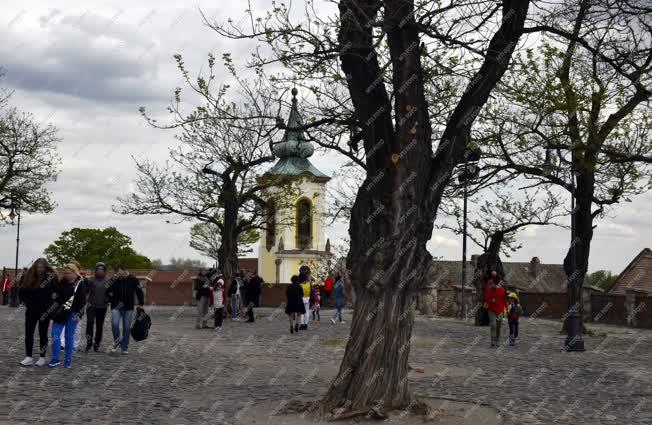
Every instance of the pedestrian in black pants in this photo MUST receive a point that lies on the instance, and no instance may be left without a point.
(36, 292)
(98, 303)
(252, 293)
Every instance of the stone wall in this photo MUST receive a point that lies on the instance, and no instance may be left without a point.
(633, 309)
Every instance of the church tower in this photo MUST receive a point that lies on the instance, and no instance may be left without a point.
(285, 244)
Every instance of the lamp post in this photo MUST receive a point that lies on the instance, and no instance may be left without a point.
(574, 341)
(15, 212)
(470, 171)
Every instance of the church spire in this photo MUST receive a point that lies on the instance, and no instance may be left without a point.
(295, 148)
(294, 142)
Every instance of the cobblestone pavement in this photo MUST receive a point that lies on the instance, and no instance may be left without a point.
(182, 375)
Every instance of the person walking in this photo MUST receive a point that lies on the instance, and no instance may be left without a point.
(67, 310)
(219, 301)
(306, 288)
(514, 311)
(97, 306)
(327, 289)
(121, 290)
(254, 288)
(202, 290)
(6, 286)
(235, 291)
(340, 299)
(496, 304)
(14, 294)
(36, 292)
(315, 301)
(294, 306)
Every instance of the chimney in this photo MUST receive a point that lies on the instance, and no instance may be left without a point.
(534, 266)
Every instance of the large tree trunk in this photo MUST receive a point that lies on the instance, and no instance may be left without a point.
(228, 250)
(581, 244)
(487, 262)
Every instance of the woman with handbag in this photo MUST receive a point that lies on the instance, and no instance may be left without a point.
(69, 300)
(36, 292)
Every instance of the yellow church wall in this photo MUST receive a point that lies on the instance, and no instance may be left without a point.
(290, 266)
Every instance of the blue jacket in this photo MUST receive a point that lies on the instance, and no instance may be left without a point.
(339, 293)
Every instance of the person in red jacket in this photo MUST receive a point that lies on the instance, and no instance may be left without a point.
(327, 288)
(495, 301)
(6, 286)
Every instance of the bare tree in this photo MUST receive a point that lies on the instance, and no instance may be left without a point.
(575, 113)
(28, 161)
(205, 238)
(495, 223)
(214, 175)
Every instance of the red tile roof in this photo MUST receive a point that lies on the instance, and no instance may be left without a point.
(637, 274)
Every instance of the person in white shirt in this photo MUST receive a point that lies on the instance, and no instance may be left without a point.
(218, 301)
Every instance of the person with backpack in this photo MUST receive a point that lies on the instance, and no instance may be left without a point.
(36, 293)
(294, 306)
(97, 306)
(121, 290)
(202, 290)
(67, 310)
(495, 301)
(514, 311)
(340, 299)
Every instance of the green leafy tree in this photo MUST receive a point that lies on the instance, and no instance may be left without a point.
(89, 246)
(601, 279)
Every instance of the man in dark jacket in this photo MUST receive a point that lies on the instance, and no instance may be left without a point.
(254, 287)
(120, 291)
(97, 305)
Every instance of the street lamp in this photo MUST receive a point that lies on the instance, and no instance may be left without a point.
(469, 172)
(15, 212)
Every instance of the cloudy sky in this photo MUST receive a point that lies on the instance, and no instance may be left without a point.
(87, 67)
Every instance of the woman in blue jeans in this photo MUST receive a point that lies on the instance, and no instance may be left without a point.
(68, 307)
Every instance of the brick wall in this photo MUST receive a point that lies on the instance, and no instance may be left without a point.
(550, 305)
(608, 308)
(172, 293)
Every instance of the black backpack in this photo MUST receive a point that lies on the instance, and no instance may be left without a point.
(140, 328)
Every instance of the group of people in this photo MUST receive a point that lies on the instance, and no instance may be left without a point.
(64, 298)
(499, 304)
(9, 287)
(304, 295)
(210, 290)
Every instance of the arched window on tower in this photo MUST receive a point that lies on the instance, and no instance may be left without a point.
(270, 226)
(304, 224)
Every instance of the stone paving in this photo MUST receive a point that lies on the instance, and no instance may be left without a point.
(181, 375)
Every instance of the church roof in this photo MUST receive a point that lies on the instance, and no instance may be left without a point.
(294, 149)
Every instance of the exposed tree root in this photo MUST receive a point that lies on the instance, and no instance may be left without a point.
(313, 407)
